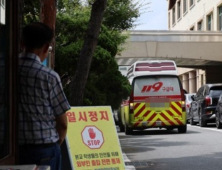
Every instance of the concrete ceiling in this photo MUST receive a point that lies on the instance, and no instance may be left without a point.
(189, 63)
(192, 49)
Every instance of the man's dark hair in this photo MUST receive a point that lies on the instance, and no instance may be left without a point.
(36, 35)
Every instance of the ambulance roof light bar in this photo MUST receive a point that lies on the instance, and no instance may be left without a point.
(152, 67)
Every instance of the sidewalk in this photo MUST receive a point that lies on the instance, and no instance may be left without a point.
(130, 168)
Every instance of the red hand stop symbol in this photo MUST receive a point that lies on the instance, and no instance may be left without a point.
(92, 134)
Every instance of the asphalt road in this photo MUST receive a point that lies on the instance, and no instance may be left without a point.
(154, 149)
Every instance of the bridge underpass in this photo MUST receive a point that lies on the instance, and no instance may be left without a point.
(189, 49)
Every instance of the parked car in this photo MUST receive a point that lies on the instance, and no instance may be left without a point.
(204, 104)
(188, 101)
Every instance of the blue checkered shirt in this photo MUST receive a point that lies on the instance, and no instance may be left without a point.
(41, 99)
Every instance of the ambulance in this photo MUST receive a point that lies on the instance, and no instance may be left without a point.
(157, 98)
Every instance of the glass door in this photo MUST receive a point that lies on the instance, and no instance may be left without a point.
(9, 33)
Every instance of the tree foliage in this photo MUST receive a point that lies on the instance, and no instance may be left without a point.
(121, 14)
(31, 11)
(105, 84)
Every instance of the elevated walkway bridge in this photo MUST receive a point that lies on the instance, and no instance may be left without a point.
(191, 49)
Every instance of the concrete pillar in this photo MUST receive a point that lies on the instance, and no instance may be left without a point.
(197, 80)
(192, 82)
(200, 78)
(185, 82)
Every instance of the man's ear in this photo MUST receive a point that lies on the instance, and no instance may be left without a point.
(45, 49)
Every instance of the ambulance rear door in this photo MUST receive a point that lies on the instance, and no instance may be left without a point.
(158, 101)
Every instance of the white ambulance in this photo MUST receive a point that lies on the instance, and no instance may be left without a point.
(157, 98)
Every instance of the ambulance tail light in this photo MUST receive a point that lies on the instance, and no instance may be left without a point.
(131, 105)
(183, 101)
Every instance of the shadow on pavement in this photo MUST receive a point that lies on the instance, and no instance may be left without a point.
(198, 162)
(157, 132)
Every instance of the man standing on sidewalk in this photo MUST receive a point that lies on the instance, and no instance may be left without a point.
(42, 102)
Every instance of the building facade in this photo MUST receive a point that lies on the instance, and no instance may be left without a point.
(194, 15)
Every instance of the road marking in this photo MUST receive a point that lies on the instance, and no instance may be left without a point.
(126, 159)
(217, 130)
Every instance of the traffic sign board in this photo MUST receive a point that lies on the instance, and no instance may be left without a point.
(92, 137)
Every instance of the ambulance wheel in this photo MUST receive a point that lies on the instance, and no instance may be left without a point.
(182, 129)
(120, 124)
(128, 130)
(121, 128)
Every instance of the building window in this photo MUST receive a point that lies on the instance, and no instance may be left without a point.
(174, 15)
(220, 18)
(184, 6)
(209, 22)
(191, 2)
(199, 25)
(178, 10)
(192, 28)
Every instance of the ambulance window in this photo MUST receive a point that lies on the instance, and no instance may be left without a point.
(156, 86)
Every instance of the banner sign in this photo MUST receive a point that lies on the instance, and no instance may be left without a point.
(93, 140)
